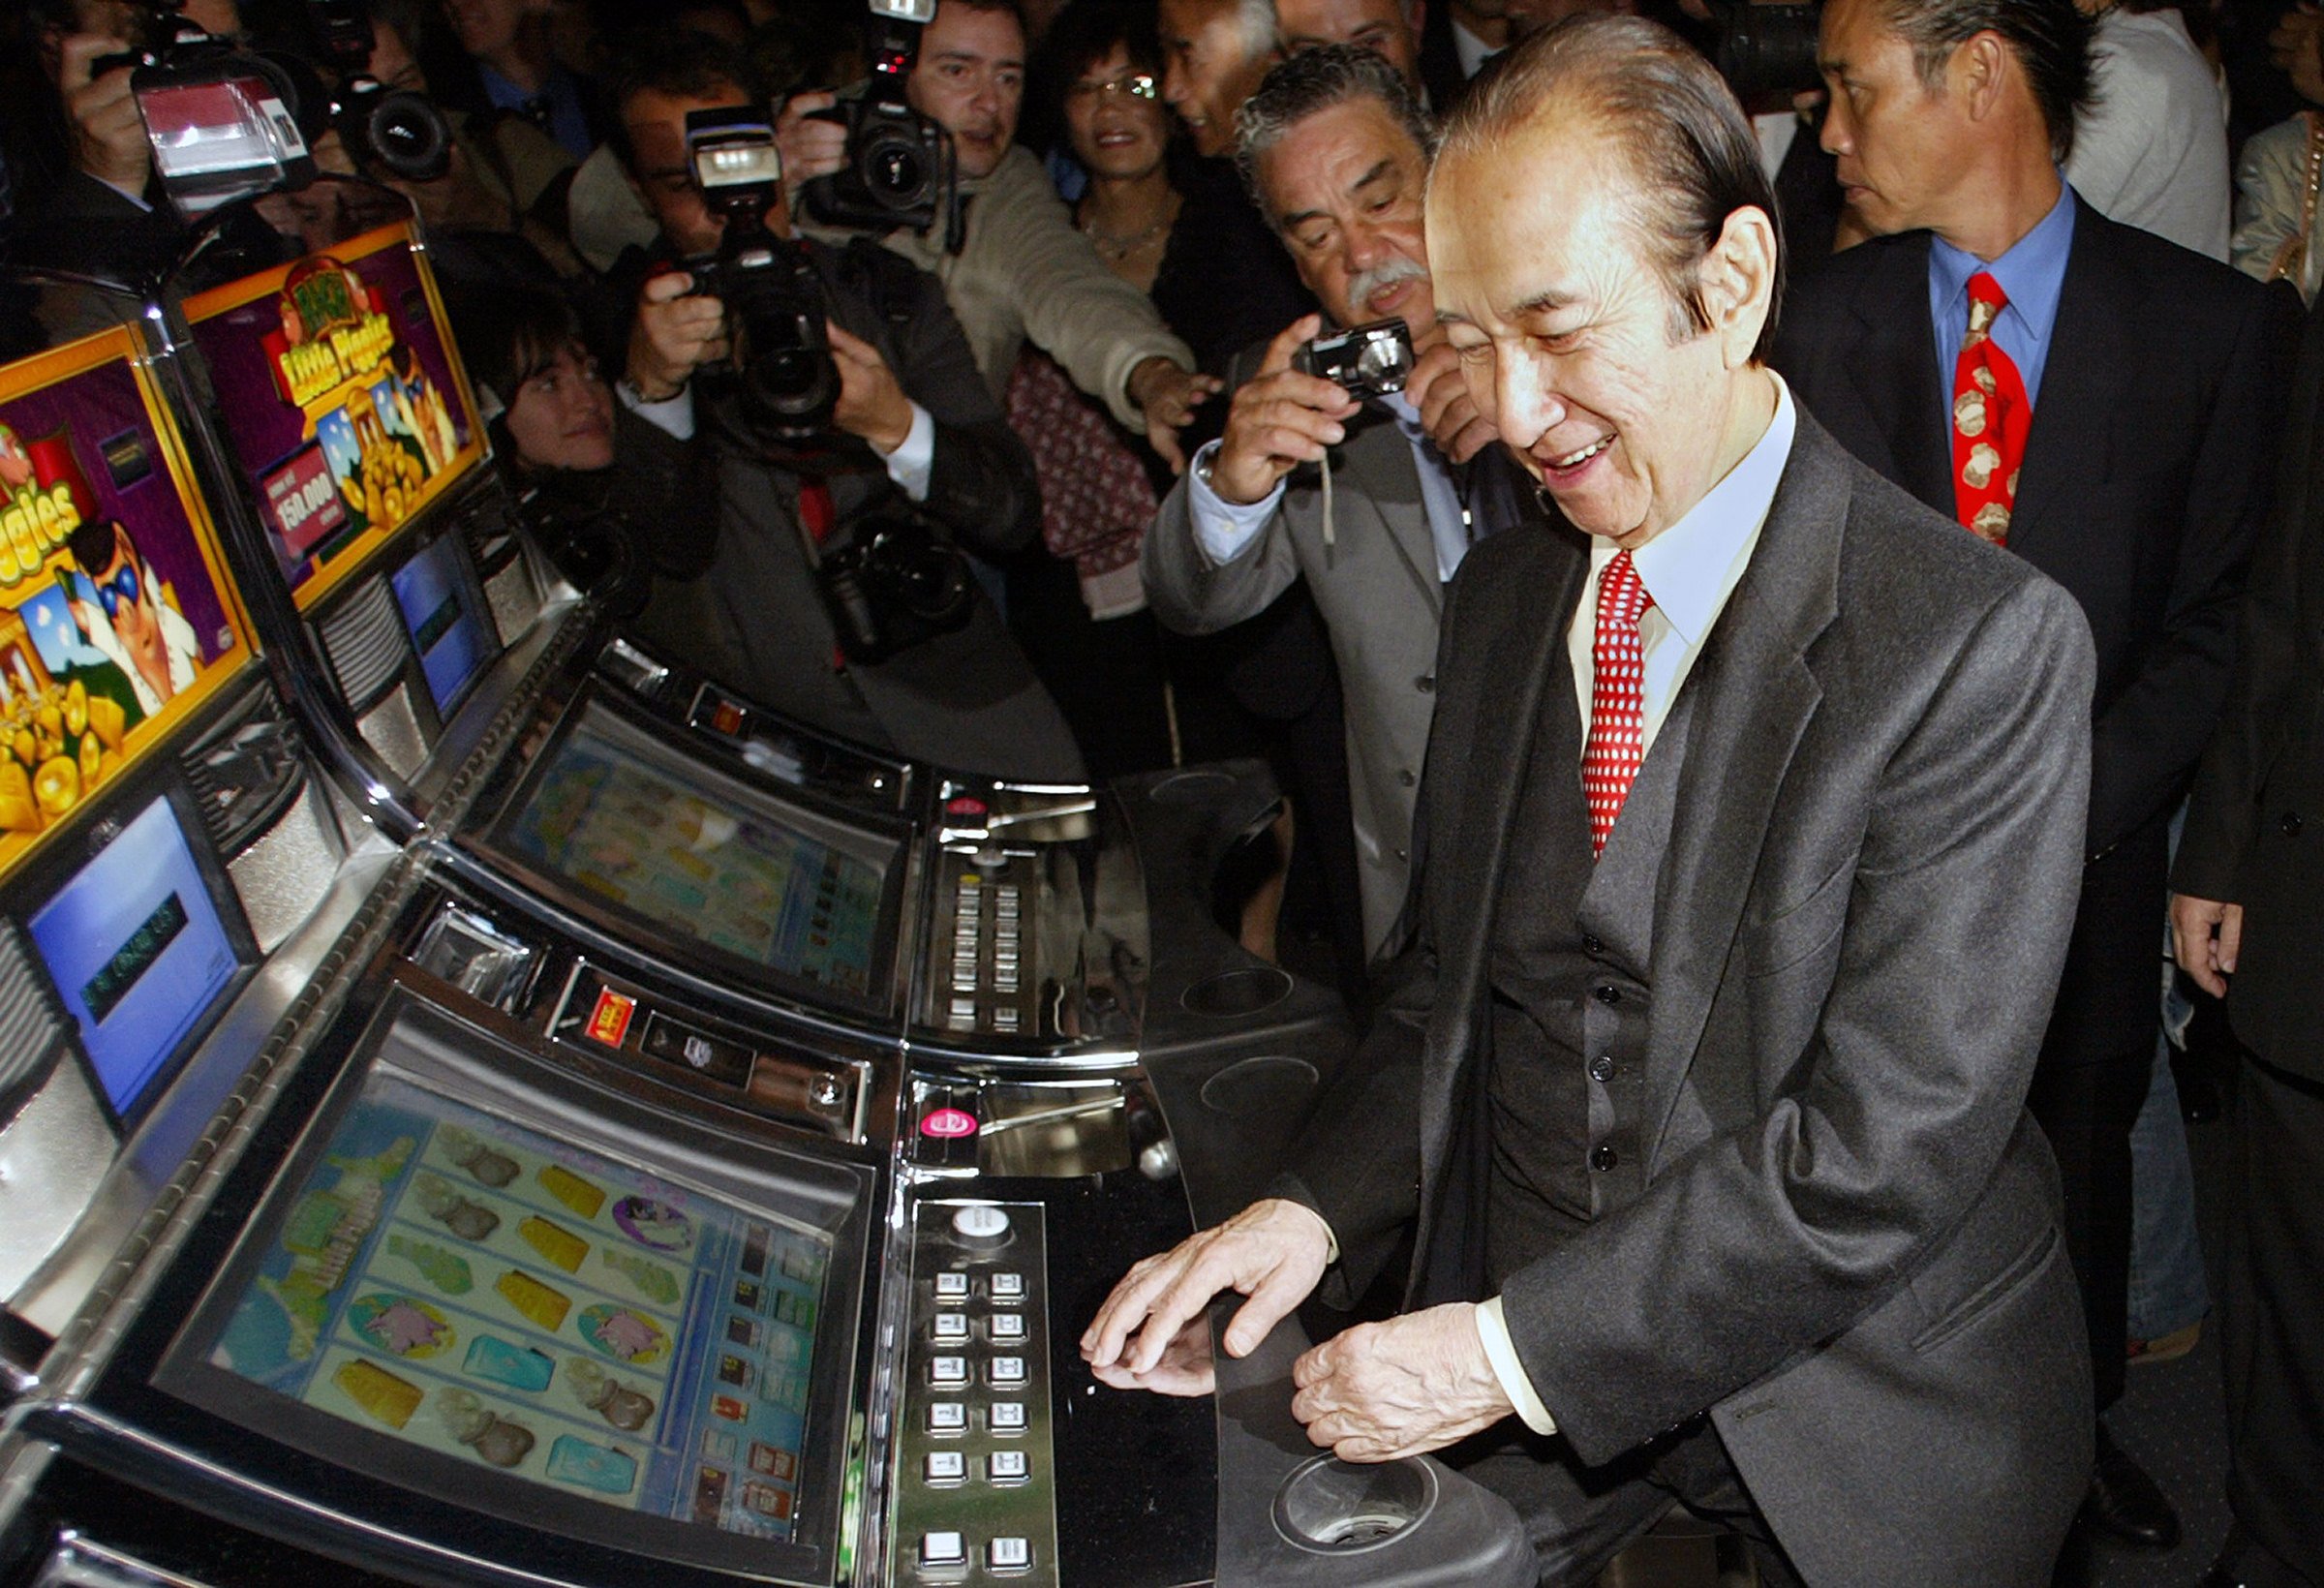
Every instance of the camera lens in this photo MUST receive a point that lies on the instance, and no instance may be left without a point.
(1383, 363)
(896, 171)
(409, 136)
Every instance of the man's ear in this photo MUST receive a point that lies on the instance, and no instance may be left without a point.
(1979, 72)
(1736, 282)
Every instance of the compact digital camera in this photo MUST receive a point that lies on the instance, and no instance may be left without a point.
(900, 172)
(774, 305)
(1367, 362)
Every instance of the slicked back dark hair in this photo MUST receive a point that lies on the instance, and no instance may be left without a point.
(2050, 38)
(1691, 149)
(1315, 80)
(681, 65)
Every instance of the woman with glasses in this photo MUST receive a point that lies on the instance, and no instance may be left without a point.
(1115, 124)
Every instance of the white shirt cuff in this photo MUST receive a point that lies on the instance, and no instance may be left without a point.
(914, 459)
(1223, 528)
(1492, 1333)
(672, 416)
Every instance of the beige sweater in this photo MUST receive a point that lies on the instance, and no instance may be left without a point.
(1026, 274)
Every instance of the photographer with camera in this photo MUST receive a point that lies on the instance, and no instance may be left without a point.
(98, 210)
(1356, 461)
(854, 445)
(1022, 271)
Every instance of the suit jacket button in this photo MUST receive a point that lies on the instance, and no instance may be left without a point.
(1608, 994)
(1425, 683)
(1403, 854)
(1591, 945)
(1604, 1158)
(1404, 776)
(2291, 824)
(1602, 1069)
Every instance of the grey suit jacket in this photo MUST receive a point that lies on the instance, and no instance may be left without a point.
(1847, 1252)
(1376, 588)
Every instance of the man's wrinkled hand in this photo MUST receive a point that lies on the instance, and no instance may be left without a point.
(1168, 396)
(676, 331)
(2206, 936)
(1272, 1252)
(870, 403)
(810, 146)
(1411, 1385)
(1280, 419)
(108, 132)
(1449, 410)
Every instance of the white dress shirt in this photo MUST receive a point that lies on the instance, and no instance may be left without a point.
(1690, 569)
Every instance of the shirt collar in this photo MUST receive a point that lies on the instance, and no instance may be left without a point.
(2031, 274)
(1689, 567)
(1470, 51)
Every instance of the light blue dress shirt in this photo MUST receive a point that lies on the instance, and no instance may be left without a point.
(2031, 275)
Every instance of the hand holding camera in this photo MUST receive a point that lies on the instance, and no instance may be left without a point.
(1284, 416)
(871, 404)
(676, 331)
(812, 144)
(109, 136)
(1448, 412)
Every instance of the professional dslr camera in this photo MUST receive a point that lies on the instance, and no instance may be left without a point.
(890, 580)
(384, 130)
(900, 169)
(1764, 51)
(222, 121)
(1369, 361)
(775, 308)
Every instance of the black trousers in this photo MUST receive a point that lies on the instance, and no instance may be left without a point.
(2096, 1061)
(1579, 1518)
(2273, 1326)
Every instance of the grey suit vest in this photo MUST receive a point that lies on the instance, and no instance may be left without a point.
(1572, 947)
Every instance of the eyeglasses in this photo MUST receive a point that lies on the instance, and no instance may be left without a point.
(1136, 86)
(121, 587)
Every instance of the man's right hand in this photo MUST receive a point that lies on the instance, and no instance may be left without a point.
(108, 133)
(1280, 421)
(674, 335)
(2206, 936)
(810, 146)
(1272, 1252)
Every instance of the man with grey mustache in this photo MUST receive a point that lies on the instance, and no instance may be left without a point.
(1373, 503)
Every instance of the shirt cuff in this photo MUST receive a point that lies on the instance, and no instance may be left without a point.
(1492, 1333)
(673, 415)
(1223, 528)
(913, 461)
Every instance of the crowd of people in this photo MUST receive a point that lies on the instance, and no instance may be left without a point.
(1833, 1079)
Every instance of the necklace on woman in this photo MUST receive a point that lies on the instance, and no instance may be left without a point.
(1115, 247)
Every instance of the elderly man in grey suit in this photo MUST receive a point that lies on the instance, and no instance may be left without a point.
(1748, 853)
(1335, 148)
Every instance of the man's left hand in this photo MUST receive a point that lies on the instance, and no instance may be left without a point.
(1169, 396)
(1411, 1385)
(871, 405)
(1448, 412)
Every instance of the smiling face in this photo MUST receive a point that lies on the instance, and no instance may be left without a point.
(1116, 130)
(1210, 67)
(1901, 146)
(1344, 186)
(970, 82)
(1573, 346)
(562, 415)
(1380, 26)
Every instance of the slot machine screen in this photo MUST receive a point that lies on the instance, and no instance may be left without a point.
(444, 616)
(624, 818)
(138, 951)
(116, 618)
(513, 1318)
(342, 399)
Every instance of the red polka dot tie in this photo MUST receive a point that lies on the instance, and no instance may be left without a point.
(1617, 697)
(1990, 418)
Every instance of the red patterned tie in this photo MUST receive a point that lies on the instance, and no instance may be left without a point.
(1617, 697)
(1990, 418)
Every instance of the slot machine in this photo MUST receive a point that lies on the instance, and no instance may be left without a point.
(696, 1155)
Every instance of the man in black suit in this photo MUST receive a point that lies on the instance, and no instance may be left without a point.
(2136, 480)
(2247, 916)
(1716, 1165)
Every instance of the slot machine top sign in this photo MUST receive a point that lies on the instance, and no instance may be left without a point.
(115, 618)
(342, 397)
